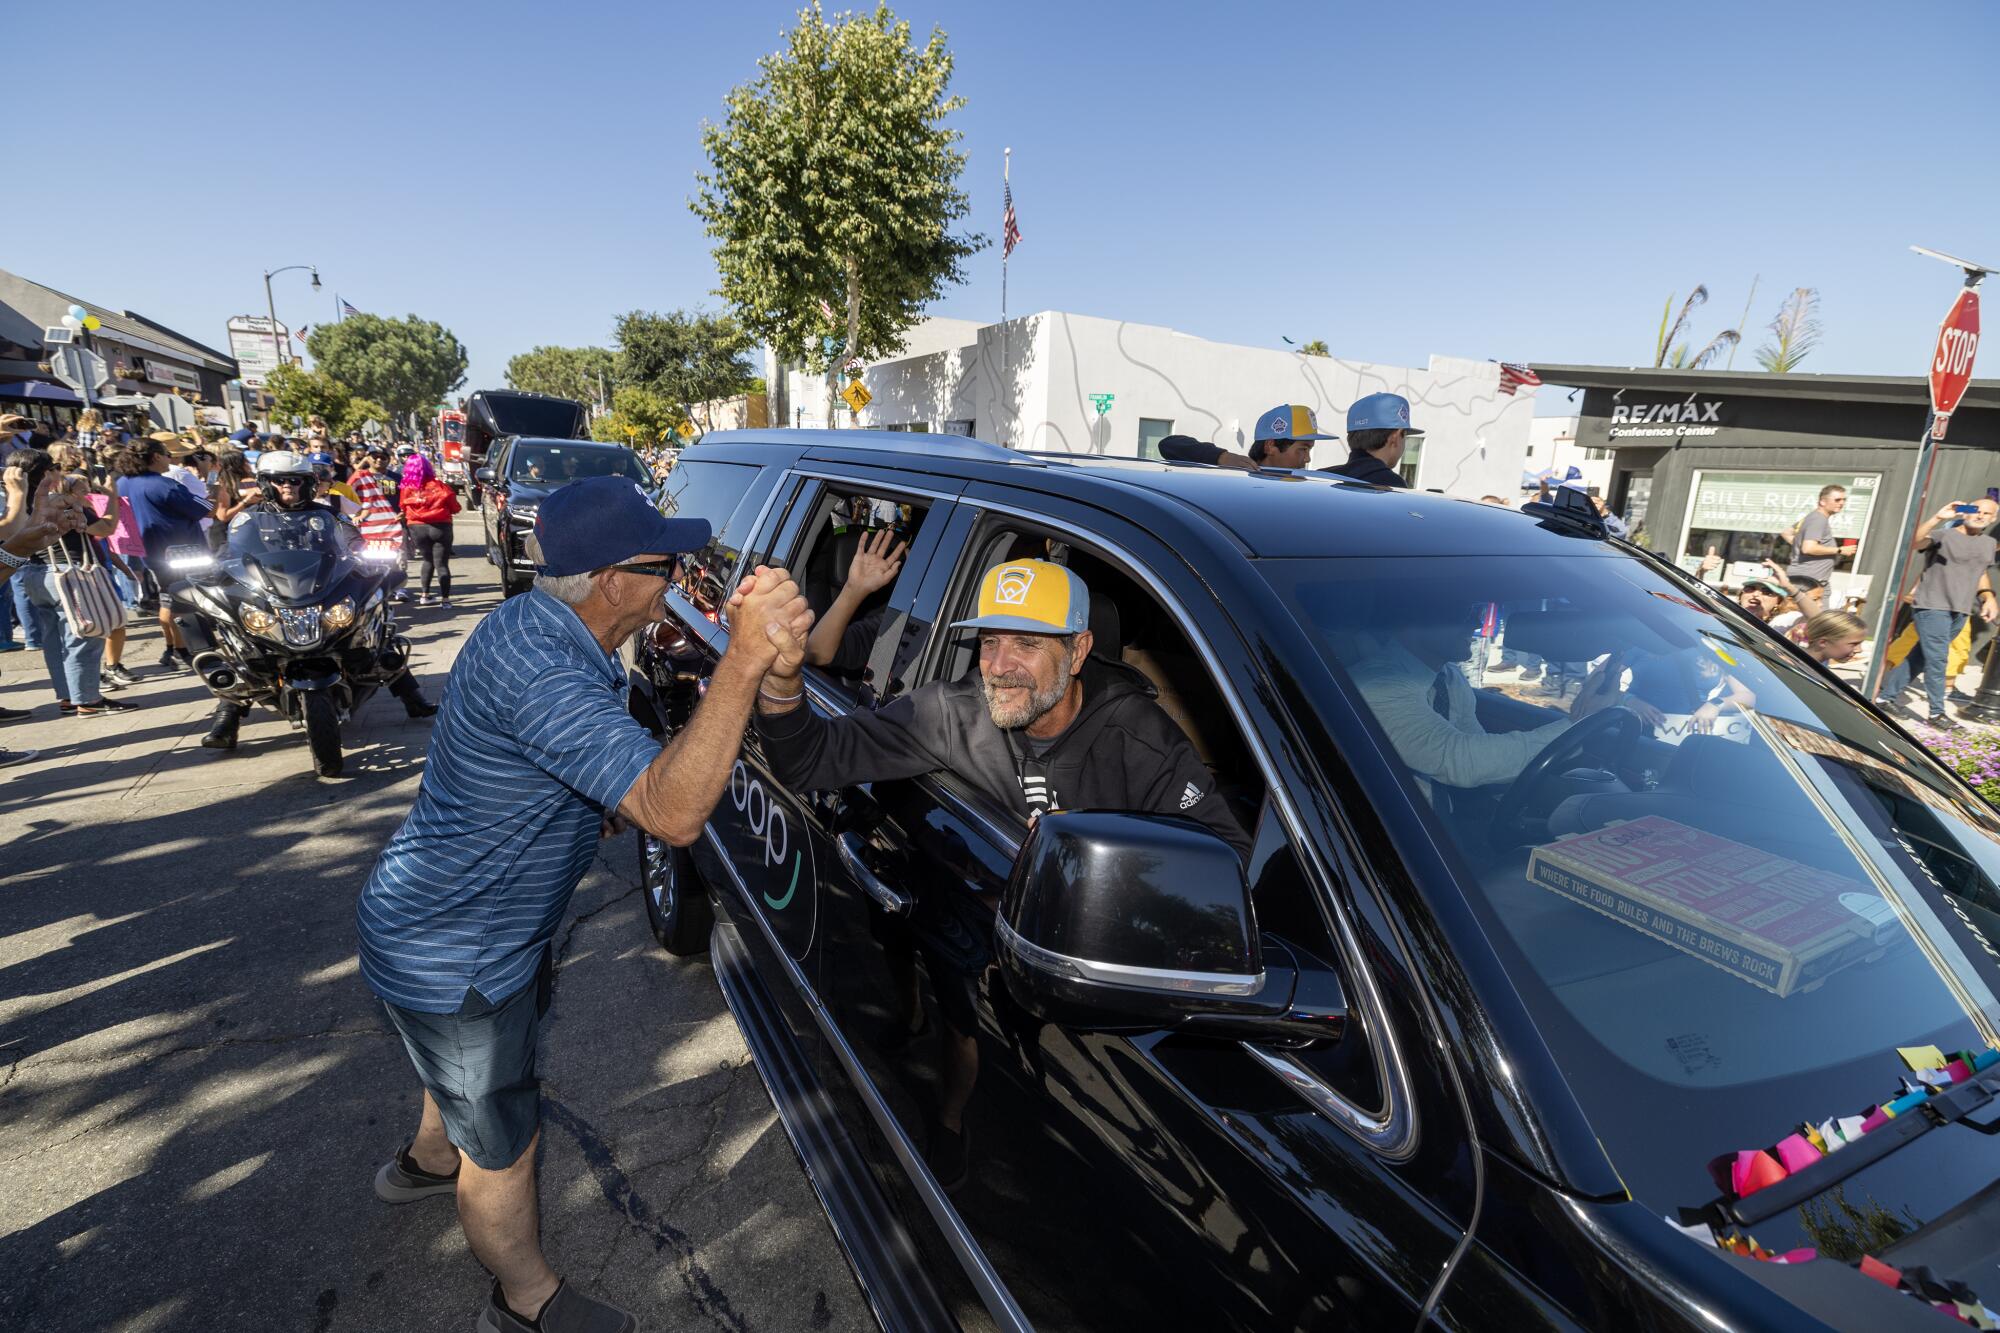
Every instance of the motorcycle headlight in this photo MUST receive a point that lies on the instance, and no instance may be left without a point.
(339, 615)
(258, 621)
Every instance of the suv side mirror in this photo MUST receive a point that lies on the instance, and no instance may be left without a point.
(484, 475)
(1117, 920)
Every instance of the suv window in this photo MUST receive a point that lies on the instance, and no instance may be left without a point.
(713, 491)
(553, 464)
(850, 534)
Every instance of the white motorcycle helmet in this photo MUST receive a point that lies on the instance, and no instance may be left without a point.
(283, 464)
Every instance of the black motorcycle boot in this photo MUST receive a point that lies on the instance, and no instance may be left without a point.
(404, 687)
(223, 723)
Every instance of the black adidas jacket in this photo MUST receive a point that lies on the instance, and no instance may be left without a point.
(1121, 753)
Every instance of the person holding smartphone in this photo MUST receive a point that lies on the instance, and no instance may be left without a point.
(1957, 545)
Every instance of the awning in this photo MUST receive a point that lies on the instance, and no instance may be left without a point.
(39, 391)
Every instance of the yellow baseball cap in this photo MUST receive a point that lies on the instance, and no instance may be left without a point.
(1031, 597)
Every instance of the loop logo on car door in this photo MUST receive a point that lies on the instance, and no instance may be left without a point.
(771, 844)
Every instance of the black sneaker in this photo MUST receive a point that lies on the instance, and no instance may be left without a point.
(1895, 709)
(107, 681)
(116, 671)
(401, 1180)
(104, 707)
(14, 714)
(1945, 722)
(568, 1311)
(1957, 696)
(10, 757)
(168, 662)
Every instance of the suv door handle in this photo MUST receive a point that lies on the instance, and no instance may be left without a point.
(889, 900)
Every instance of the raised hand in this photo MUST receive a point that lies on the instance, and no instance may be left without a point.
(875, 564)
(766, 612)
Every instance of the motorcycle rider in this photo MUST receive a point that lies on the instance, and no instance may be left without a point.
(290, 485)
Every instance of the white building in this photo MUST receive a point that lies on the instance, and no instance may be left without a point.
(1078, 384)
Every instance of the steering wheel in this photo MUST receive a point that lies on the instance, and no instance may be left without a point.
(1512, 825)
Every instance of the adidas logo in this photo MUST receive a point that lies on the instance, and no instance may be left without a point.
(1191, 797)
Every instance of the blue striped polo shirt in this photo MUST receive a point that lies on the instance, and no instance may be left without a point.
(532, 746)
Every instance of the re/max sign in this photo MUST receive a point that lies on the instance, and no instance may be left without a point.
(1702, 411)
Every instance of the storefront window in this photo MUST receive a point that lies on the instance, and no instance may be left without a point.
(1741, 518)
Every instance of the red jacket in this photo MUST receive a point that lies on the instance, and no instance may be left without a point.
(433, 502)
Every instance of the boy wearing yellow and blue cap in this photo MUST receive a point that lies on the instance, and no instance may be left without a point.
(1284, 436)
(1378, 430)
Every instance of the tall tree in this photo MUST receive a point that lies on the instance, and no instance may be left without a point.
(1794, 333)
(300, 395)
(404, 364)
(637, 416)
(584, 374)
(835, 188)
(684, 357)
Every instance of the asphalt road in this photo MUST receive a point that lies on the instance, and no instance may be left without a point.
(196, 1089)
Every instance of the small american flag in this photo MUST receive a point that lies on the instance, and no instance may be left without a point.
(347, 309)
(1010, 227)
(1514, 377)
(301, 331)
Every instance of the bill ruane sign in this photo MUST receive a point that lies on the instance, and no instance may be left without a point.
(254, 342)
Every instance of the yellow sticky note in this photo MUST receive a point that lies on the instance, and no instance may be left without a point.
(1922, 1057)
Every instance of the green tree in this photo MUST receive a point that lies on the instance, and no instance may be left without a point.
(835, 187)
(1794, 333)
(1317, 347)
(637, 416)
(404, 364)
(684, 358)
(299, 394)
(360, 411)
(584, 374)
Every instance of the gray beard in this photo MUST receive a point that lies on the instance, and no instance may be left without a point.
(1039, 702)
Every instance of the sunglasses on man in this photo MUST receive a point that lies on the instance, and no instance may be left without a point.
(660, 569)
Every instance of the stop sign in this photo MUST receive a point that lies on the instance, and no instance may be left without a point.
(1958, 342)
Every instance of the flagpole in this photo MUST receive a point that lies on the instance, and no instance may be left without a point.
(1006, 183)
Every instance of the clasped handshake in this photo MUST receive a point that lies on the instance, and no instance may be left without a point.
(769, 623)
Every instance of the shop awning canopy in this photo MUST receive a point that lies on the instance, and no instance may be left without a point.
(39, 391)
(1910, 389)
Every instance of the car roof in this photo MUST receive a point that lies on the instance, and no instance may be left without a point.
(1270, 514)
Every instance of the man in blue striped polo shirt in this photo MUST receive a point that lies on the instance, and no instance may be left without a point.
(533, 757)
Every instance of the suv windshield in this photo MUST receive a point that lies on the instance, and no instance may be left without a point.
(553, 464)
(1728, 894)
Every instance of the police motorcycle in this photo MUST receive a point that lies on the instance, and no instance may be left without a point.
(293, 612)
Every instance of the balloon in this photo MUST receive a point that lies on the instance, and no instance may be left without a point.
(71, 322)
(93, 323)
(78, 312)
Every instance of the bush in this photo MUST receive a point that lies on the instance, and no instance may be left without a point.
(1976, 757)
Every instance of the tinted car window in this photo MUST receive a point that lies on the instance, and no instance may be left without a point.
(713, 491)
(1729, 893)
(553, 464)
(509, 415)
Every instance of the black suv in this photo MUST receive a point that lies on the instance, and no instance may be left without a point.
(519, 472)
(1599, 959)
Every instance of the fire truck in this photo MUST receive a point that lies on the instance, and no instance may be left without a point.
(451, 448)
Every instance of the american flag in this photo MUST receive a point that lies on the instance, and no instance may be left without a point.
(1010, 227)
(1514, 377)
(347, 309)
(301, 331)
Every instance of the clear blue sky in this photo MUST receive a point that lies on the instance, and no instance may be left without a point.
(1518, 182)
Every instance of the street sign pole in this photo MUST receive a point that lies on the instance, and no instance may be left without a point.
(1950, 374)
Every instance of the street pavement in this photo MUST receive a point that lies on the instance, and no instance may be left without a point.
(196, 1089)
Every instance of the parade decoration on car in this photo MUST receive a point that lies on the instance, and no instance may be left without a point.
(1941, 1089)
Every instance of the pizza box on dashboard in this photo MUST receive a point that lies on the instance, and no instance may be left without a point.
(1773, 922)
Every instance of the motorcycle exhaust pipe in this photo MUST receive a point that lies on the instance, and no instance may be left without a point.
(215, 670)
(395, 655)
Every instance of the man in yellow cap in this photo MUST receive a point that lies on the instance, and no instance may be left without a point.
(1040, 725)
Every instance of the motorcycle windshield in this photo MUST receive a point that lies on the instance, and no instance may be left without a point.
(294, 554)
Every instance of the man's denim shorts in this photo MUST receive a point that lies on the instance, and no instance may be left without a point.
(479, 1066)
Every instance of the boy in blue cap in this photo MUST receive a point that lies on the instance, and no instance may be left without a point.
(1378, 427)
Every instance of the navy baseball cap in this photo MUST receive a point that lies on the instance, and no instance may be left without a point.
(613, 521)
(1381, 411)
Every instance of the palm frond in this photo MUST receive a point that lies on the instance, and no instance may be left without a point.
(1695, 298)
(1795, 332)
(1717, 345)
